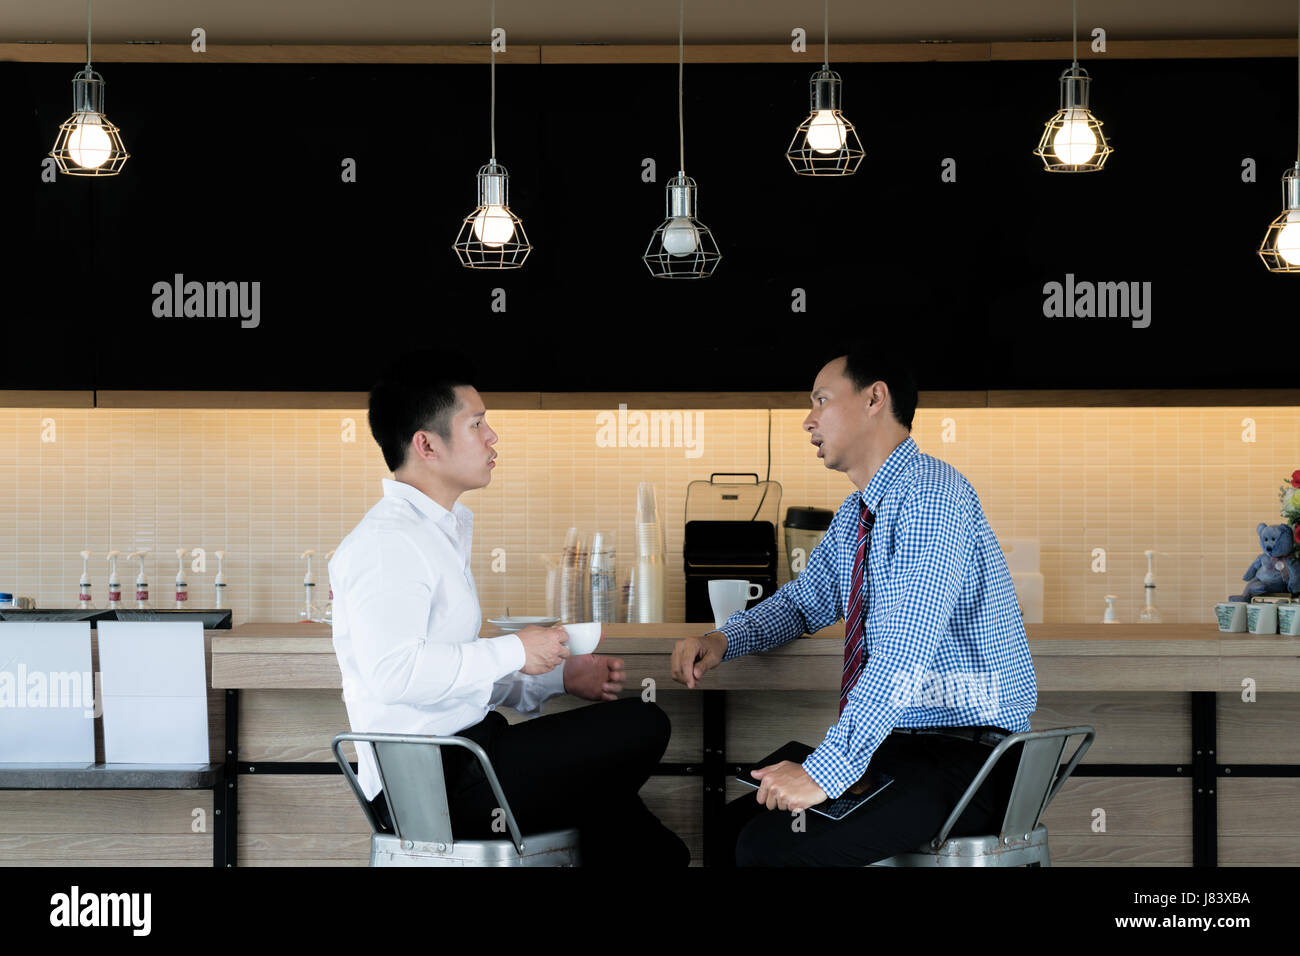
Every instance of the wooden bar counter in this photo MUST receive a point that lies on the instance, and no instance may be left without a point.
(1187, 767)
(1196, 761)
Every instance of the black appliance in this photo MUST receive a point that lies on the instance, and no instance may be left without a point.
(730, 533)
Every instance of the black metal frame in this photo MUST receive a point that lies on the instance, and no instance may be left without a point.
(1202, 770)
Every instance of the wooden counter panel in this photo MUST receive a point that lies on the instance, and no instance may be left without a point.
(104, 828)
(301, 820)
(1102, 849)
(92, 849)
(1259, 732)
(295, 725)
(1131, 727)
(1250, 806)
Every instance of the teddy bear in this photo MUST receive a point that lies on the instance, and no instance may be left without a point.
(1276, 570)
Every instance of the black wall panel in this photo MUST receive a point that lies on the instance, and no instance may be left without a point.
(235, 176)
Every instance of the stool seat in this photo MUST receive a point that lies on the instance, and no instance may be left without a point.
(552, 848)
(980, 851)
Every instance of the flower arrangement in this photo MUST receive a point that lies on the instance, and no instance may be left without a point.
(1289, 495)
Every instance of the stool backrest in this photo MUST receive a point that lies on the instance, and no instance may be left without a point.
(1039, 762)
(1038, 778)
(414, 785)
(415, 789)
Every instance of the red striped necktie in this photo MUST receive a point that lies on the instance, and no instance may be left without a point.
(855, 656)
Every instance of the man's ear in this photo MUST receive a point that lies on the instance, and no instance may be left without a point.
(424, 447)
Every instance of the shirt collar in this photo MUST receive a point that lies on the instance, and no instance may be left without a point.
(423, 503)
(899, 460)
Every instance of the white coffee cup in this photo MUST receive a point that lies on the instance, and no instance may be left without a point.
(1231, 616)
(583, 638)
(729, 596)
(1288, 619)
(1262, 618)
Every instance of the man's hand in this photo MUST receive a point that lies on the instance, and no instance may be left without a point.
(544, 648)
(693, 656)
(593, 677)
(787, 786)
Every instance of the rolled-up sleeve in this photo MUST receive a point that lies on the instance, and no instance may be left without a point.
(390, 618)
(527, 693)
(934, 537)
(807, 604)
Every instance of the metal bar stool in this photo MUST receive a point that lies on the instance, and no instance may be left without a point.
(1022, 840)
(410, 772)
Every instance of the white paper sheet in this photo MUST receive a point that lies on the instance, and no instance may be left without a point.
(155, 692)
(46, 693)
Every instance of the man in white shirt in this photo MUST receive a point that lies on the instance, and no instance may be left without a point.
(406, 622)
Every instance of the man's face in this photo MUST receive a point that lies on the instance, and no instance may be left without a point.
(838, 423)
(467, 460)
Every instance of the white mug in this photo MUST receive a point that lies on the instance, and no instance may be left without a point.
(728, 597)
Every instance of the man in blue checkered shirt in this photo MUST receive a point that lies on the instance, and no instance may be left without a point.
(936, 665)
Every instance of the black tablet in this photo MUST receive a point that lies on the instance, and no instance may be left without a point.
(872, 782)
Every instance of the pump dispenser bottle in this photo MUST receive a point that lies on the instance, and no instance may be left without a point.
(220, 582)
(308, 612)
(182, 589)
(141, 582)
(1150, 614)
(83, 594)
(114, 585)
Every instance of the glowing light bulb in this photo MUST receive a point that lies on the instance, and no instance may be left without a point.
(1075, 143)
(680, 237)
(827, 132)
(88, 145)
(493, 226)
(1288, 240)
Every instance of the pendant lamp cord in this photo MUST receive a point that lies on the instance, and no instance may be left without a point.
(681, 45)
(1297, 132)
(492, 110)
(87, 35)
(1076, 36)
(826, 36)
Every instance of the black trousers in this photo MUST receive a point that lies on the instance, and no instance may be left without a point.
(930, 775)
(581, 768)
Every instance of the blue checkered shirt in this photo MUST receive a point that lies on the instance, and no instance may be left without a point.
(944, 632)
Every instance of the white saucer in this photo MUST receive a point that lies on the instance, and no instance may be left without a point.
(517, 622)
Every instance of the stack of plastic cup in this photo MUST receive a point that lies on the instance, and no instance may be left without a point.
(604, 581)
(648, 586)
(574, 593)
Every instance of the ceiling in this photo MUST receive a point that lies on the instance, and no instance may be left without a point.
(649, 21)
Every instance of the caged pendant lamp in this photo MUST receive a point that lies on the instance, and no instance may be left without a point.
(1072, 141)
(825, 144)
(88, 144)
(682, 247)
(1280, 249)
(492, 237)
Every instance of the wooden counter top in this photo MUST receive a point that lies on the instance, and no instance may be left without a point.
(1067, 657)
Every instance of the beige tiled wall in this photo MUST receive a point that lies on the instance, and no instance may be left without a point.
(266, 485)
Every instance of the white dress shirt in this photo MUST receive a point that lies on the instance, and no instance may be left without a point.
(406, 623)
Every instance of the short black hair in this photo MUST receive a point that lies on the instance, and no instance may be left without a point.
(416, 393)
(883, 361)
